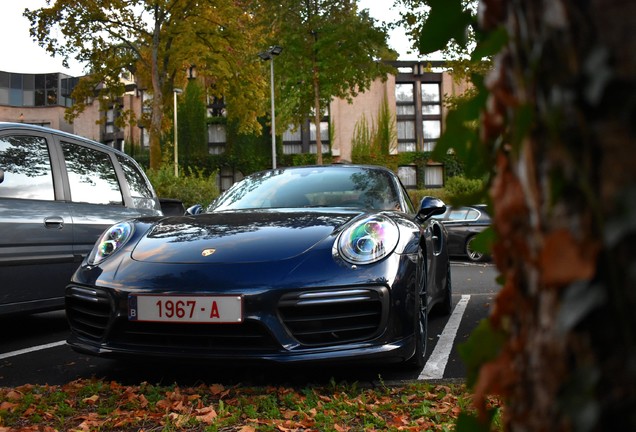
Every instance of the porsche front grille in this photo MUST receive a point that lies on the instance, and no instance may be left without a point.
(88, 311)
(333, 317)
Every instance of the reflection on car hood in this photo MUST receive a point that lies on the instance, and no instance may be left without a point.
(237, 237)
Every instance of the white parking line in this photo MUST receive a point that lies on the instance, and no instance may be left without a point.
(32, 349)
(434, 368)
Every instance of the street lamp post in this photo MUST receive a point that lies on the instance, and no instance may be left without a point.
(269, 55)
(175, 92)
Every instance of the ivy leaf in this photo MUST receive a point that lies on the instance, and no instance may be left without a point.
(461, 134)
(484, 240)
(446, 21)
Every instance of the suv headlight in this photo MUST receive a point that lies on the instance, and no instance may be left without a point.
(113, 239)
(368, 240)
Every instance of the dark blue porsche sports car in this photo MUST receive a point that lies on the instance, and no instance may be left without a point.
(303, 264)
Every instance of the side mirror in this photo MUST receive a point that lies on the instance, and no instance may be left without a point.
(1, 176)
(430, 206)
(194, 210)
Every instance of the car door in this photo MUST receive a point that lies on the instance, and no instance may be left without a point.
(456, 223)
(36, 232)
(96, 192)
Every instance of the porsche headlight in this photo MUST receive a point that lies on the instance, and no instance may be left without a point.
(369, 240)
(113, 239)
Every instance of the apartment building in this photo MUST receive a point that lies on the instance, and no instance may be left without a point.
(415, 96)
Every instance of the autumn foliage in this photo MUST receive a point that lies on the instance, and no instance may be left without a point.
(92, 405)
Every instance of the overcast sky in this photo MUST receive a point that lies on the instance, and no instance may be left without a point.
(20, 54)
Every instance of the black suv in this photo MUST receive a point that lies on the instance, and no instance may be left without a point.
(58, 193)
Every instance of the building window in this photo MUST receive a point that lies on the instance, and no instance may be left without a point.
(405, 110)
(434, 176)
(35, 89)
(217, 137)
(227, 177)
(406, 136)
(408, 176)
(431, 103)
(217, 131)
(299, 139)
(419, 110)
(292, 141)
(109, 126)
(324, 137)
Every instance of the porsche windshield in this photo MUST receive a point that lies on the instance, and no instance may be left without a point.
(354, 187)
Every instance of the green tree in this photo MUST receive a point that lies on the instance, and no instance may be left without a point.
(330, 50)
(556, 139)
(157, 40)
(193, 132)
(455, 47)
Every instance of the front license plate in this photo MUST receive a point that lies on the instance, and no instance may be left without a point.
(186, 309)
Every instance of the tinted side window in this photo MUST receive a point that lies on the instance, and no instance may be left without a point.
(26, 168)
(140, 192)
(91, 175)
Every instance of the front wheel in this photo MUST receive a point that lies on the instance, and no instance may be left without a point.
(447, 304)
(472, 254)
(421, 334)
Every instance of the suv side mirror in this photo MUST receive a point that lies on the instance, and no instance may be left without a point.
(1, 175)
(430, 206)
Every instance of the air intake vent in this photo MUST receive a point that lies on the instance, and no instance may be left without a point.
(88, 310)
(336, 316)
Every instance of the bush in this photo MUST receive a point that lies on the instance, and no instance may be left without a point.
(463, 191)
(191, 187)
(457, 191)
(417, 195)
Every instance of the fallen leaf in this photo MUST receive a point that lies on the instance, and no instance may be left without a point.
(91, 400)
(206, 415)
(14, 395)
(8, 406)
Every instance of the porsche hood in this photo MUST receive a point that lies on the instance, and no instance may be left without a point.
(237, 237)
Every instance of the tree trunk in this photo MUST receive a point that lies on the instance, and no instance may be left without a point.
(563, 92)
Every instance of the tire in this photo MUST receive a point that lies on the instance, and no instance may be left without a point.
(417, 361)
(472, 254)
(446, 306)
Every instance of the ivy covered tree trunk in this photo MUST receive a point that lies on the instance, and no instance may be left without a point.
(563, 94)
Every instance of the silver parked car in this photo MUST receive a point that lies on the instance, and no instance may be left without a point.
(58, 193)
